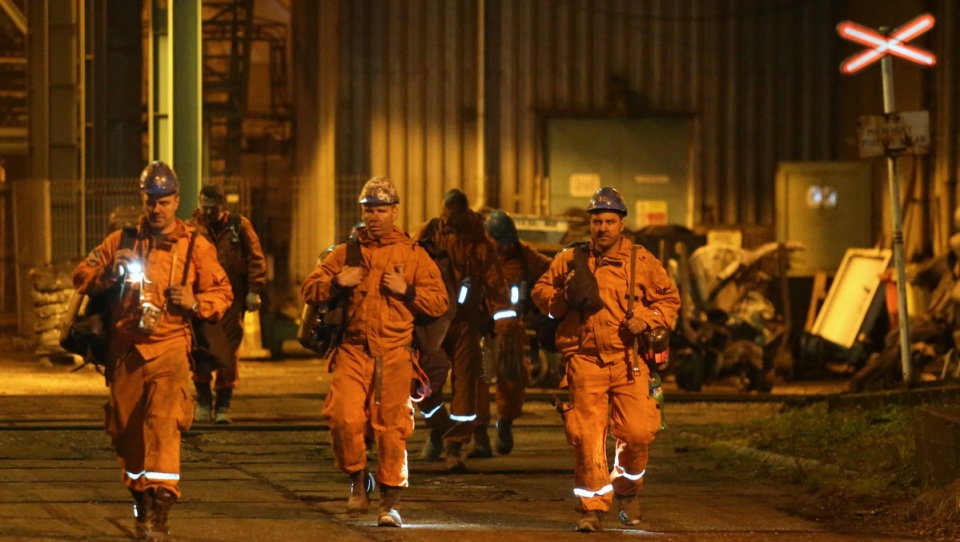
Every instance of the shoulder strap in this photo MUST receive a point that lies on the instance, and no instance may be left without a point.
(581, 255)
(353, 252)
(632, 354)
(128, 237)
(631, 294)
(189, 256)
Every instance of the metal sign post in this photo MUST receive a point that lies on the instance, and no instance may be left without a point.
(882, 44)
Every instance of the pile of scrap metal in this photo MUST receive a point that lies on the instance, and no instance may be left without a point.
(933, 330)
(729, 328)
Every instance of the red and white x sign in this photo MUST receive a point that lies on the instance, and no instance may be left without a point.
(880, 45)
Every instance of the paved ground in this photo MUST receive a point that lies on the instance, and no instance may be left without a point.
(270, 475)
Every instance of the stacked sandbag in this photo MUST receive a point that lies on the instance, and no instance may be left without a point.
(52, 291)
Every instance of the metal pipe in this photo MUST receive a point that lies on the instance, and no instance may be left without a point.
(481, 84)
(15, 15)
(886, 64)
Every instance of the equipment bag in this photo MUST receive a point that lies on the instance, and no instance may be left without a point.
(84, 329)
(321, 326)
(429, 331)
(211, 349)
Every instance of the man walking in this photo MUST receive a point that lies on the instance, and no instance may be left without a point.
(482, 292)
(158, 278)
(522, 266)
(241, 256)
(392, 280)
(606, 293)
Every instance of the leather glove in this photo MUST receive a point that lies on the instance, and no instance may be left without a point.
(511, 340)
(253, 301)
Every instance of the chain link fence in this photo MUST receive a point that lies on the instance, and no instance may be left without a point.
(82, 214)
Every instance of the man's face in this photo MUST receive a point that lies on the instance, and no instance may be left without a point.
(161, 211)
(211, 208)
(455, 218)
(605, 229)
(508, 249)
(379, 219)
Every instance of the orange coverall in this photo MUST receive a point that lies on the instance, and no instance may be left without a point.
(597, 350)
(475, 258)
(150, 401)
(242, 258)
(379, 333)
(522, 266)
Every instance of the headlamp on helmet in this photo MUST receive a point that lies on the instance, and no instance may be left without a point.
(379, 191)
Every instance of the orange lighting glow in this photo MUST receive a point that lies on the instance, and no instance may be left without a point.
(881, 45)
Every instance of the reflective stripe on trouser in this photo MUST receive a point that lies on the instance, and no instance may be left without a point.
(232, 322)
(149, 405)
(462, 345)
(634, 419)
(436, 366)
(510, 395)
(351, 405)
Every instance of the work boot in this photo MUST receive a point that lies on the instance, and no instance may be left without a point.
(504, 437)
(389, 502)
(591, 521)
(451, 451)
(630, 513)
(142, 503)
(359, 501)
(223, 406)
(204, 409)
(163, 499)
(481, 444)
(433, 447)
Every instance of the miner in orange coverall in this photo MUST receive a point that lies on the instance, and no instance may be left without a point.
(596, 335)
(373, 366)
(481, 293)
(522, 266)
(157, 294)
(240, 254)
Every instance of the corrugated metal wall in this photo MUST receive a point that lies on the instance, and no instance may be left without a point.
(757, 74)
(945, 119)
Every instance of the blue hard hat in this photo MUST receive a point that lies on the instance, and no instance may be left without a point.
(607, 199)
(500, 226)
(159, 179)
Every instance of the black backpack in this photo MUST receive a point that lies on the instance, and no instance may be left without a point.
(321, 326)
(84, 330)
(429, 331)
